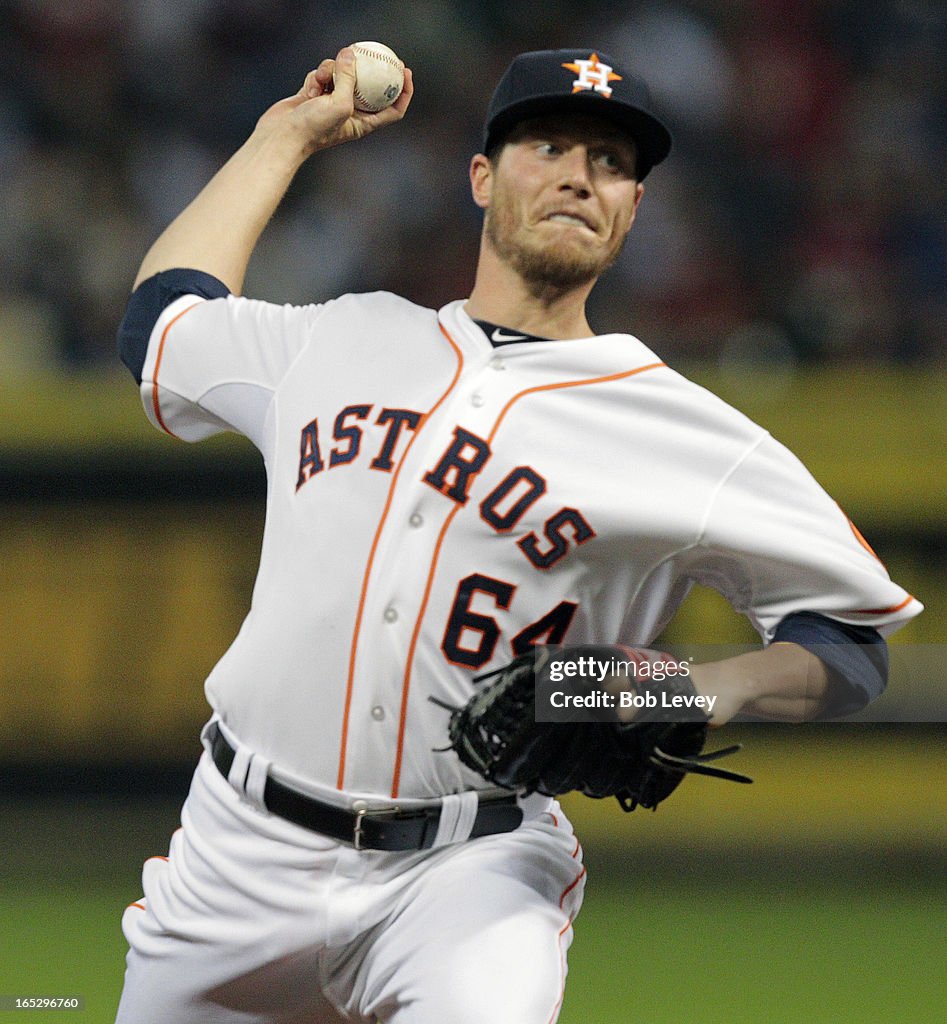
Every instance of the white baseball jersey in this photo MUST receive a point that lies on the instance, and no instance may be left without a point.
(436, 505)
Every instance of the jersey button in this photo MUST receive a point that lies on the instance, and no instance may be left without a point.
(391, 614)
(416, 520)
(476, 400)
(378, 713)
(497, 364)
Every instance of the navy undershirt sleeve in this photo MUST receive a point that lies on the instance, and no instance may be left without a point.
(146, 304)
(857, 657)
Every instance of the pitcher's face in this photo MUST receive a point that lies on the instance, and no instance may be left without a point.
(559, 199)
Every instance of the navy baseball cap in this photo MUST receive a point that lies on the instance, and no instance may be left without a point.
(576, 81)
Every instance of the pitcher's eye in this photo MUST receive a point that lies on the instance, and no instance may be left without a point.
(611, 162)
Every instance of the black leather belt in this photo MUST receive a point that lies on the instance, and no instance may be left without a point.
(384, 829)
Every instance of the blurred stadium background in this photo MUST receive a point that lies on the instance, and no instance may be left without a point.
(791, 255)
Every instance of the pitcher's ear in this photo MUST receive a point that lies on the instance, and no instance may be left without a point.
(481, 180)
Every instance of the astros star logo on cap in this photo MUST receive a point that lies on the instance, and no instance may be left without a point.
(593, 74)
(536, 85)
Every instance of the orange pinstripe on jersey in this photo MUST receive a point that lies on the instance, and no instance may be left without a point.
(857, 534)
(406, 684)
(885, 611)
(154, 382)
(350, 681)
(861, 540)
(871, 551)
(406, 681)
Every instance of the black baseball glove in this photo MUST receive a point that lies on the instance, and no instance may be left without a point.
(639, 762)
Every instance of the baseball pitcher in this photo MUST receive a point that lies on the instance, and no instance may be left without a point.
(452, 495)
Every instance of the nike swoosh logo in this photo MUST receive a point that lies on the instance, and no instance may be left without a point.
(500, 335)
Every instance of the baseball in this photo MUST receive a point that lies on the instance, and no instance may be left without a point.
(379, 76)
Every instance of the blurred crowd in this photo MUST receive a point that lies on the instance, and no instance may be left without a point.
(800, 218)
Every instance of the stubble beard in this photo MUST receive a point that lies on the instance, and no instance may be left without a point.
(544, 268)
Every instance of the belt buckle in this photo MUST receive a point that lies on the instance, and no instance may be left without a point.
(362, 811)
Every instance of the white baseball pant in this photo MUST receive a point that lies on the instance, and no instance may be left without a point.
(253, 920)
